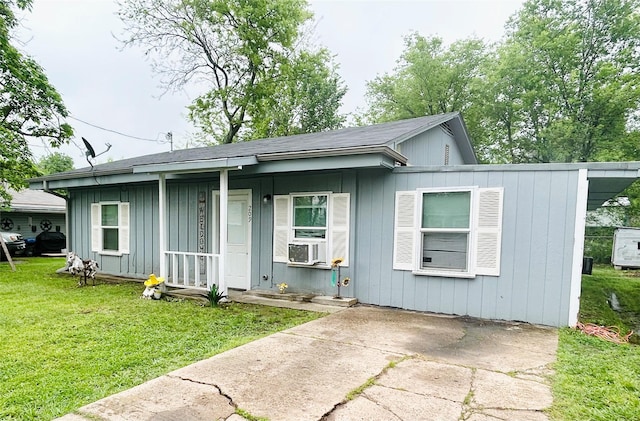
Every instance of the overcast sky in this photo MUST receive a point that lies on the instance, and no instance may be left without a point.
(115, 89)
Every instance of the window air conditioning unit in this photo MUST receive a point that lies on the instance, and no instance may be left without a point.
(306, 253)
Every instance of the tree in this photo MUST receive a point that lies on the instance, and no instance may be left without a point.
(54, 163)
(565, 80)
(242, 50)
(429, 78)
(29, 107)
(306, 100)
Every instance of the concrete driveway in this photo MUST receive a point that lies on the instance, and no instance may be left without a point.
(362, 363)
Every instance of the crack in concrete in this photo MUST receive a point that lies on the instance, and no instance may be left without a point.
(345, 401)
(375, 402)
(468, 404)
(321, 338)
(228, 397)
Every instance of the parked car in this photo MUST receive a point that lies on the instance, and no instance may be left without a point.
(15, 244)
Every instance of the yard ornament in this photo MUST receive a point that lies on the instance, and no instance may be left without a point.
(153, 287)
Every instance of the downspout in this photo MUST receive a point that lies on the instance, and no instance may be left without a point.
(578, 246)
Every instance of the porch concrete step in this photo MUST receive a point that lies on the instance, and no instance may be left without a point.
(274, 295)
(334, 301)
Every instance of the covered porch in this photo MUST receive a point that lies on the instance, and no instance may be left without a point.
(202, 269)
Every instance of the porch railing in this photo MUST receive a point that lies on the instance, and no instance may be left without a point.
(191, 270)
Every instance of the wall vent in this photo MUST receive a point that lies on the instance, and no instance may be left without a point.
(447, 128)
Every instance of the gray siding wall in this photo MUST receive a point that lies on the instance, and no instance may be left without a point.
(537, 239)
(429, 149)
(311, 279)
(537, 243)
(21, 222)
(182, 229)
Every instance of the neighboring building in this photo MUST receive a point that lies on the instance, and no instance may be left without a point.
(420, 224)
(612, 213)
(32, 212)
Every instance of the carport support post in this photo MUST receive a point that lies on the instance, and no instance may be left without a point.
(162, 233)
(578, 246)
(224, 200)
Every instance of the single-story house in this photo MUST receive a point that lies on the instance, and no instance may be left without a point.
(32, 212)
(419, 223)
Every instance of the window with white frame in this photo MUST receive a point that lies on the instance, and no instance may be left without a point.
(448, 232)
(445, 230)
(110, 228)
(320, 219)
(310, 218)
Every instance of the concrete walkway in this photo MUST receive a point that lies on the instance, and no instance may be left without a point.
(361, 363)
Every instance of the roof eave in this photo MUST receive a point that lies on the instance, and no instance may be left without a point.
(355, 150)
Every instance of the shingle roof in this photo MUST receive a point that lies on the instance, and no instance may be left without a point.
(374, 135)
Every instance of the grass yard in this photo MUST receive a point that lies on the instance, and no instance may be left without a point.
(598, 380)
(63, 346)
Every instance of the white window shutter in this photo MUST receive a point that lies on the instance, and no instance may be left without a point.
(281, 218)
(404, 233)
(339, 228)
(123, 234)
(96, 230)
(489, 231)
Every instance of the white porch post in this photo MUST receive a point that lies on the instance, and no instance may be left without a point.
(162, 220)
(224, 199)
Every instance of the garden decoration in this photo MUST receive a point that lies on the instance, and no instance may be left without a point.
(282, 287)
(335, 276)
(153, 287)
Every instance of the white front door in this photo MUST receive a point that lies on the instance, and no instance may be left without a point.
(238, 259)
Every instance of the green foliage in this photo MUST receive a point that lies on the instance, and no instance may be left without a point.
(565, 81)
(63, 347)
(246, 53)
(562, 86)
(598, 380)
(29, 107)
(215, 296)
(54, 163)
(429, 79)
(306, 99)
(598, 244)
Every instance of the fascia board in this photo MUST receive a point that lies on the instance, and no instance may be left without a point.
(336, 152)
(195, 166)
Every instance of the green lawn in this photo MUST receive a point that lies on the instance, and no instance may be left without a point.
(63, 346)
(595, 379)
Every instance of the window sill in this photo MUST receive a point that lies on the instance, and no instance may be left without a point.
(445, 274)
(323, 266)
(111, 253)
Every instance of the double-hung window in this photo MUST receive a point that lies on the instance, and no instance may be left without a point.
(452, 232)
(310, 216)
(110, 228)
(445, 231)
(317, 219)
